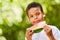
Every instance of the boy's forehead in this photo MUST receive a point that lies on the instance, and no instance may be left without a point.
(33, 10)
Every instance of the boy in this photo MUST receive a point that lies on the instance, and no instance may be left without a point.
(36, 16)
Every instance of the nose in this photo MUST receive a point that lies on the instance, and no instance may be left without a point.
(35, 17)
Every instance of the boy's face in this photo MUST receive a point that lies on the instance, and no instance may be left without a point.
(35, 15)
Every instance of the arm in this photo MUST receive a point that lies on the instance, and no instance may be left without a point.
(52, 37)
(48, 32)
(29, 34)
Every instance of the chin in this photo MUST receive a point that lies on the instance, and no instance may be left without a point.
(34, 23)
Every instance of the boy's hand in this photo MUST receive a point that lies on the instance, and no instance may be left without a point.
(48, 31)
(29, 34)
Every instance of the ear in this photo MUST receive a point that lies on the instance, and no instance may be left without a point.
(44, 15)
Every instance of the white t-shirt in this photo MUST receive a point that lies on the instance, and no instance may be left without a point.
(42, 35)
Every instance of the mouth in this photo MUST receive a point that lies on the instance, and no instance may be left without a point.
(37, 21)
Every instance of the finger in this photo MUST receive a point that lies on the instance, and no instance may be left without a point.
(29, 32)
(47, 29)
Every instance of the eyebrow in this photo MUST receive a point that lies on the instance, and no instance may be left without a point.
(37, 12)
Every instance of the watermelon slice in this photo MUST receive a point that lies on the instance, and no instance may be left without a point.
(38, 27)
(38, 30)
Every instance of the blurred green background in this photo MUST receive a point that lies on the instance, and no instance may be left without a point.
(14, 21)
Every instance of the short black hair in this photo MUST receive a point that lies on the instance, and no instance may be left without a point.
(33, 4)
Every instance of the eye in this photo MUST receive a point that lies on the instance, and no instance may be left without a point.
(31, 16)
(37, 13)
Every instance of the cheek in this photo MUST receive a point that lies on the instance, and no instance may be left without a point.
(31, 20)
(40, 16)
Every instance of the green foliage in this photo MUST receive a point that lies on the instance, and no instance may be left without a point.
(0, 4)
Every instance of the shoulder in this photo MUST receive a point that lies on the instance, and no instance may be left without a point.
(54, 29)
